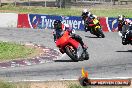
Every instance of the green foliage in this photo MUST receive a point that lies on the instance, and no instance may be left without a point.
(14, 85)
(6, 85)
(107, 12)
(77, 86)
(112, 12)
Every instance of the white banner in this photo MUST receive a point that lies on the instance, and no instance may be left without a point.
(8, 19)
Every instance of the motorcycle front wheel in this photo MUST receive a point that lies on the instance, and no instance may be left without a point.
(124, 41)
(86, 55)
(70, 51)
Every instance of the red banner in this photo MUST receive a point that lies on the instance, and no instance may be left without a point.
(23, 21)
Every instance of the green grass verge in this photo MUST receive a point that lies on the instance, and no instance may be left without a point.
(6, 85)
(76, 86)
(10, 51)
(113, 12)
(99, 11)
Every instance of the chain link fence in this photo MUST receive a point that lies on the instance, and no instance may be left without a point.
(63, 3)
(45, 3)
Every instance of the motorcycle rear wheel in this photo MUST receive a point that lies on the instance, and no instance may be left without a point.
(100, 33)
(86, 55)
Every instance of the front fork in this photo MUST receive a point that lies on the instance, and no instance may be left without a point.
(79, 51)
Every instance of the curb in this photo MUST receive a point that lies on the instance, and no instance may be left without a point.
(70, 79)
(48, 55)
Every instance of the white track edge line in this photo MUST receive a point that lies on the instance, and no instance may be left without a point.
(68, 79)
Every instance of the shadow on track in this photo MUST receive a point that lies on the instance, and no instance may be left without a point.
(63, 61)
(125, 51)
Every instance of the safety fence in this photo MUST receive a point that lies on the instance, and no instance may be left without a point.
(41, 21)
(64, 3)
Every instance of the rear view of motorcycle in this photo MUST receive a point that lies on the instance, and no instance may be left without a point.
(72, 48)
(127, 34)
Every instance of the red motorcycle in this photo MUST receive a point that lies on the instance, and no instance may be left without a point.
(71, 47)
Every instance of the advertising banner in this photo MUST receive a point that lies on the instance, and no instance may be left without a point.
(40, 21)
(113, 23)
(46, 21)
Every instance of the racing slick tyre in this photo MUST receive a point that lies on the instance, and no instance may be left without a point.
(124, 41)
(100, 33)
(85, 55)
(71, 53)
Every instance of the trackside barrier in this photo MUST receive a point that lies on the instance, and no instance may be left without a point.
(8, 19)
(41, 21)
(38, 21)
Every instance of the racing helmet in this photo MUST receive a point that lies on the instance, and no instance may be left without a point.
(57, 24)
(84, 13)
(120, 18)
(68, 27)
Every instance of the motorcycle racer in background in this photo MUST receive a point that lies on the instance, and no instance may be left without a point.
(125, 29)
(92, 24)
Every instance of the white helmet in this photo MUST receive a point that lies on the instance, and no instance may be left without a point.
(84, 11)
(120, 17)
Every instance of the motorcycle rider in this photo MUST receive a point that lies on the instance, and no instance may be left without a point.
(87, 13)
(125, 29)
(123, 25)
(59, 29)
(88, 18)
(129, 33)
(121, 22)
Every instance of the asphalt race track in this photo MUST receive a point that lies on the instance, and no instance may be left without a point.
(108, 57)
